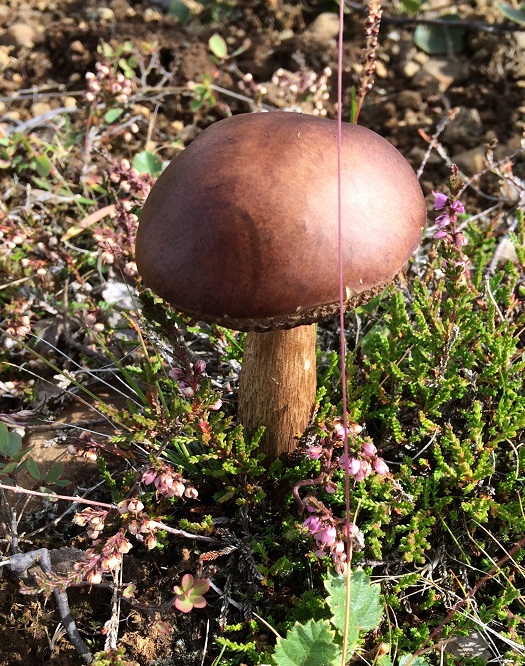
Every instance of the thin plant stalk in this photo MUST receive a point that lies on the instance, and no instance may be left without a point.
(342, 321)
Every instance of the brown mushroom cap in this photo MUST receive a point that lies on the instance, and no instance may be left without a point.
(242, 227)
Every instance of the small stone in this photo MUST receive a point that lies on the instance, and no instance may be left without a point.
(411, 68)
(409, 99)
(106, 14)
(440, 74)
(5, 59)
(324, 29)
(70, 102)
(381, 71)
(22, 35)
(465, 130)
(471, 161)
(39, 108)
(177, 126)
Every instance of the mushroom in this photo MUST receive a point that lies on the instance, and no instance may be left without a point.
(241, 229)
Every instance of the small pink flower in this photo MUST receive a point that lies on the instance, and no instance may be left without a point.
(440, 200)
(149, 476)
(457, 207)
(364, 471)
(369, 449)
(314, 452)
(331, 487)
(313, 524)
(443, 220)
(353, 465)
(440, 234)
(327, 536)
(380, 466)
(199, 366)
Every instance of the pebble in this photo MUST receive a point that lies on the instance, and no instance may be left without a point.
(471, 161)
(381, 71)
(440, 73)
(5, 59)
(465, 130)
(411, 68)
(324, 29)
(39, 108)
(22, 35)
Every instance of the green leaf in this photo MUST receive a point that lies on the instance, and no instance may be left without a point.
(55, 472)
(62, 483)
(33, 468)
(437, 39)
(147, 162)
(418, 661)
(516, 15)
(312, 644)
(218, 46)
(43, 165)
(384, 660)
(10, 442)
(179, 10)
(112, 114)
(412, 6)
(365, 603)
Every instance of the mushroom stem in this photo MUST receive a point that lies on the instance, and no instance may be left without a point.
(277, 386)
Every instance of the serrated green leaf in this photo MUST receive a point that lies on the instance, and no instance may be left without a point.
(147, 162)
(516, 15)
(33, 468)
(418, 661)
(55, 472)
(218, 46)
(311, 644)
(384, 660)
(437, 39)
(365, 603)
(112, 114)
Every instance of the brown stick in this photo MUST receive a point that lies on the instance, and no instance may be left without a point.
(277, 386)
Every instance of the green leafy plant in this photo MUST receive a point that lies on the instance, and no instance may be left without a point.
(320, 642)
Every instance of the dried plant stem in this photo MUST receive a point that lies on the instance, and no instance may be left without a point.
(373, 21)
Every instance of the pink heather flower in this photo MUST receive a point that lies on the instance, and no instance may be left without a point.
(163, 482)
(443, 220)
(313, 524)
(339, 431)
(326, 537)
(331, 487)
(440, 234)
(215, 406)
(314, 452)
(380, 466)
(353, 465)
(199, 366)
(149, 476)
(365, 470)
(369, 449)
(440, 200)
(457, 207)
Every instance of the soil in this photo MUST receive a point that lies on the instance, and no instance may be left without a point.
(47, 47)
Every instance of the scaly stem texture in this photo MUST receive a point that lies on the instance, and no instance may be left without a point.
(277, 386)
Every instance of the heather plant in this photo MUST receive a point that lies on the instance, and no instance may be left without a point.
(435, 407)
